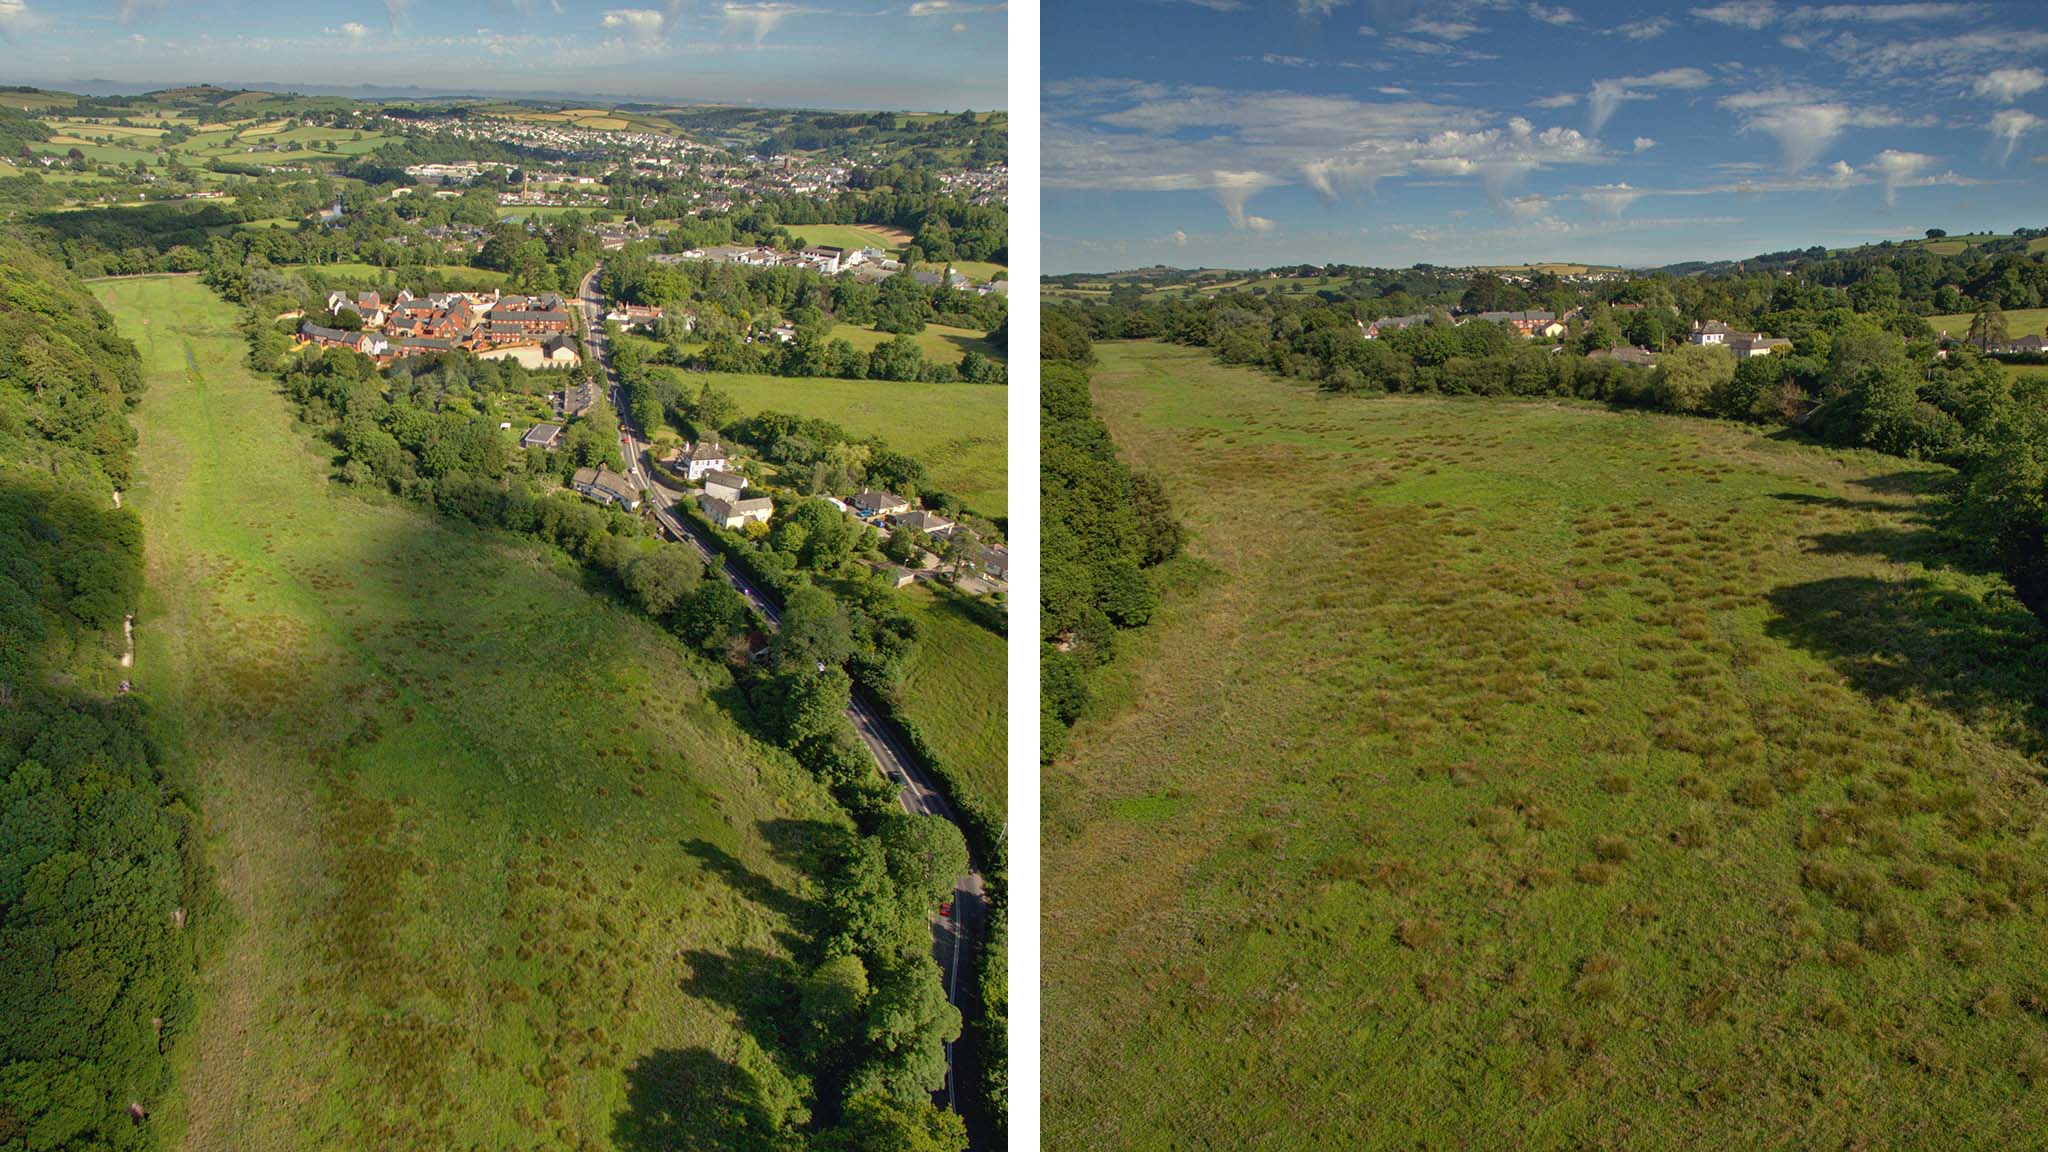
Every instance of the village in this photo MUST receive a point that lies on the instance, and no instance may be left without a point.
(536, 331)
(1541, 325)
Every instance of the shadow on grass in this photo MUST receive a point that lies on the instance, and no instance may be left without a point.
(801, 914)
(759, 987)
(976, 610)
(1916, 639)
(689, 1100)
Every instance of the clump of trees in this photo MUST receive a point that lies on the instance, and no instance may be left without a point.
(106, 903)
(1103, 527)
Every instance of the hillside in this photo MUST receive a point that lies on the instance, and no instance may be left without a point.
(506, 873)
(1584, 778)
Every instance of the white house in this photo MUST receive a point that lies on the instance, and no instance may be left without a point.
(724, 485)
(695, 461)
(736, 513)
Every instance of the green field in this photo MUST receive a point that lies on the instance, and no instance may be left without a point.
(1531, 775)
(941, 343)
(848, 236)
(505, 875)
(954, 689)
(2018, 322)
(957, 430)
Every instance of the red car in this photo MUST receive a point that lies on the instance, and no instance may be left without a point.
(946, 909)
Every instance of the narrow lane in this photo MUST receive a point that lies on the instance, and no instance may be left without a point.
(953, 935)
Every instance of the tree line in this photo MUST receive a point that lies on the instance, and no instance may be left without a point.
(107, 905)
(1104, 528)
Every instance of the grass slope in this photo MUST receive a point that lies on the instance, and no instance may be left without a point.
(955, 689)
(2018, 322)
(957, 430)
(940, 343)
(490, 840)
(1527, 775)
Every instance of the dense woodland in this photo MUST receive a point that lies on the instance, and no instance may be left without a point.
(106, 903)
(1865, 368)
(1104, 527)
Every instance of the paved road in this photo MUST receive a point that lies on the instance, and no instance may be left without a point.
(953, 936)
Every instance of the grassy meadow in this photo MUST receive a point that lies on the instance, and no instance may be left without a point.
(940, 343)
(957, 430)
(2018, 322)
(955, 689)
(506, 875)
(1528, 775)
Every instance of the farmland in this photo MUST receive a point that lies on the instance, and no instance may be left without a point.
(2018, 322)
(1573, 777)
(957, 430)
(940, 343)
(505, 874)
(954, 690)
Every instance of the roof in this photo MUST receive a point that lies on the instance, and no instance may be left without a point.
(703, 451)
(923, 521)
(606, 480)
(876, 500)
(541, 434)
(315, 332)
(728, 479)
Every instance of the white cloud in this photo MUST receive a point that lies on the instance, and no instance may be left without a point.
(645, 26)
(1883, 13)
(1560, 100)
(1235, 144)
(1645, 29)
(1529, 207)
(1260, 224)
(1319, 7)
(1644, 144)
(1750, 14)
(1802, 123)
(1180, 239)
(15, 18)
(1956, 58)
(395, 11)
(758, 20)
(352, 32)
(1608, 95)
(1442, 29)
(1611, 199)
(957, 29)
(2006, 85)
(1559, 15)
(1895, 167)
(953, 7)
(2009, 125)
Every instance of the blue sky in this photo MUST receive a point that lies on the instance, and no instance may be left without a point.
(921, 54)
(1240, 133)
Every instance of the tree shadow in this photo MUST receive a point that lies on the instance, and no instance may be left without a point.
(1843, 503)
(1912, 482)
(801, 914)
(979, 611)
(689, 1100)
(1926, 547)
(1914, 639)
(759, 987)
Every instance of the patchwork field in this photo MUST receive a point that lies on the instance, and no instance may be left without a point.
(850, 236)
(957, 430)
(1529, 775)
(506, 875)
(941, 343)
(2018, 322)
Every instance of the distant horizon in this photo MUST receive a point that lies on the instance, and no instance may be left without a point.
(1468, 132)
(1651, 266)
(101, 87)
(918, 55)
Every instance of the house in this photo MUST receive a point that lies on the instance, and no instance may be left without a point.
(1544, 324)
(606, 487)
(577, 399)
(1393, 324)
(695, 461)
(366, 305)
(930, 523)
(560, 352)
(1747, 344)
(368, 343)
(735, 513)
(524, 319)
(633, 316)
(995, 562)
(894, 575)
(1709, 332)
(1627, 354)
(724, 485)
(828, 259)
(869, 505)
(548, 436)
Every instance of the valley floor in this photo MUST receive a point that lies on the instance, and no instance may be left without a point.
(1528, 775)
(506, 874)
